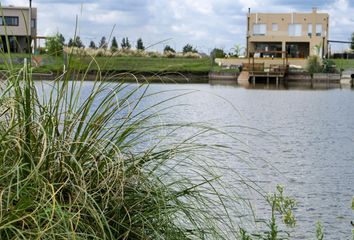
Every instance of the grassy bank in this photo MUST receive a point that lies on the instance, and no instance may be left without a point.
(344, 63)
(148, 65)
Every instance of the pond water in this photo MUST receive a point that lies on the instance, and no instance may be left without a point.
(300, 138)
(304, 141)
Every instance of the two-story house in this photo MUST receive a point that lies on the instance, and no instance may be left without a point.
(16, 30)
(299, 34)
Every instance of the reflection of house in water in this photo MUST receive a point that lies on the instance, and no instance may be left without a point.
(15, 24)
(299, 34)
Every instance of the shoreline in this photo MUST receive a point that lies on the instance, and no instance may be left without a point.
(187, 77)
(163, 77)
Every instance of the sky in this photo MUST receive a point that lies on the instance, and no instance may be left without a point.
(203, 23)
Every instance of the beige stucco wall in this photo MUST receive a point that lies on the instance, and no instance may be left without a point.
(283, 20)
(23, 14)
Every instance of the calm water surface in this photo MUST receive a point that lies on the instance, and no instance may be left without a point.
(307, 145)
(300, 138)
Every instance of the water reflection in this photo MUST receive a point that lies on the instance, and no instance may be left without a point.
(283, 86)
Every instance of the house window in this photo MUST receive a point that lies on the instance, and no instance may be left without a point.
(9, 21)
(33, 23)
(259, 29)
(274, 27)
(295, 30)
(309, 30)
(319, 30)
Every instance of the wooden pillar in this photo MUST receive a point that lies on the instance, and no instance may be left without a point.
(267, 78)
(283, 48)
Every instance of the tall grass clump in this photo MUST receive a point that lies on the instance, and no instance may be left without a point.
(314, 64)
(100, 164)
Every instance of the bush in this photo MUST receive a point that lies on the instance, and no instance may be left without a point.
(218, 53)
(168, 49)
(314, 65)
(329, 66)
(169, 54)
(189, 48)
(55, 45)
(192, 55)
(154, 54)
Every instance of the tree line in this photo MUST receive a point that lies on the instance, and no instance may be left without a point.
(55, 43)
(125, 44)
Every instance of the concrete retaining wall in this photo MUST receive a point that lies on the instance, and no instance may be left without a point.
(316, 77)
(223, 76)
(332, 77)
(299, 77)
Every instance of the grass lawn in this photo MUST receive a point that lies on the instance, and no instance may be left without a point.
(144, 64)
(344, 63)
(125, 64)
(141, 64)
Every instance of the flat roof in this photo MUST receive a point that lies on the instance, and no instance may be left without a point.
(16, 7)
(287, 13)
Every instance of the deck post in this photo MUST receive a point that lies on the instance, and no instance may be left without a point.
(267, 78)
(277, 81)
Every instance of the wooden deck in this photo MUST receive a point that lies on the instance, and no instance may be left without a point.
(257, 70)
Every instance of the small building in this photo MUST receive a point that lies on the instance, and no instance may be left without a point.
(300, 35)
(16, 28)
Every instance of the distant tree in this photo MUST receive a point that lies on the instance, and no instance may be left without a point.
(79, 43)
(114, 45)
(92, 45)
(189, 48)
(61, 39)
(352, 40)
(168, 49)
(76, 42)
(140, 44)
(217, 53)
(55, 44)
(103, 43)
(125, 43)
(237, 50)
(71, 42)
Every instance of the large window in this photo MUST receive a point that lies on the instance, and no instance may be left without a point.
(259, 29)
(274, 27)
(309, 30)
(8, 21)
(295, 30)
(319, 30)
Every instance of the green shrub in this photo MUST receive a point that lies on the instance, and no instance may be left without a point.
(169, 54)
(168, 48)
(218, 53)
(191, 55)
(314, 64)
(55, 45)
(189, 49)
(329, 66)
(280, 205)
